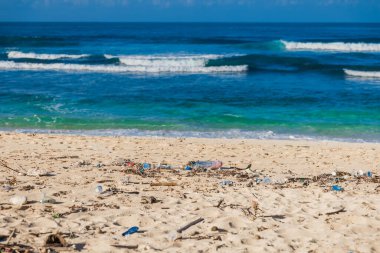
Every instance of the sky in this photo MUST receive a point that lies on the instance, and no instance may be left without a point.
(191, 10)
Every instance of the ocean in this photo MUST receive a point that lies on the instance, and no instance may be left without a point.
(225, 80)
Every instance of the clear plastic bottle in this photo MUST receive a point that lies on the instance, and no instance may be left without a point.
(99, 189)
(206, 164)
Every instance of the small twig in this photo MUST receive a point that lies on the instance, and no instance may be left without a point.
(336, 212)
(10, 237)
(125, 246)
(201, 237)
(180, 230)
(219, 203)
(5, 165)
(164, 184)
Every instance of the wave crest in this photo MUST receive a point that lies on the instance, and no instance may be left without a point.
(186, 61)
(363, 74)
(22, 55)
(332, 46)
(10, 65)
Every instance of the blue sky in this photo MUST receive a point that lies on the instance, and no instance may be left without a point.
(191, 10)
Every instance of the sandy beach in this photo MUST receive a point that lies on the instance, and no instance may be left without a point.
(296, 212)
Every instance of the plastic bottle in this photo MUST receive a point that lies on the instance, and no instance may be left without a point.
(164, 166)
(99, 189)
(226, 183)
(45, 199)
(207, 164)
(267, 180)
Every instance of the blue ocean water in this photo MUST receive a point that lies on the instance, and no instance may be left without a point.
(192, 79)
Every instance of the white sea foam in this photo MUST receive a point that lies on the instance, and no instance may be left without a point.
(10, 65)
(183, 61)
(332, 46)
(227, 134)
(21, 55)
(363, 74)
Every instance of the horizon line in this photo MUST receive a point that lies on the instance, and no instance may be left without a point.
(203, 22)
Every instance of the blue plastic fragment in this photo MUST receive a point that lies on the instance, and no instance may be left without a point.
(130, 231)
(146, 166)
(188, 168)
(337, 188)
(369, 174)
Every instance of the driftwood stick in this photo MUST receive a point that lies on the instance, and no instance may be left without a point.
(164, 184)
(10, 237)
(5, 165)
(219, 203)
(180, 230)
(336, 212)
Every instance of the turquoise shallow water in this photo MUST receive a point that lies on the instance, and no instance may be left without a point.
(210, 80)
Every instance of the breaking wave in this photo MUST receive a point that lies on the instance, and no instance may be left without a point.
(363, 74)
(188, 61)
(332, 46)
(185, 68)
(21, 55)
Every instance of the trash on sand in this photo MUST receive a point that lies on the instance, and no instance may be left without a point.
(149, 200)
(369, 174)
(213, 165)
(84, 163)
(188, 167)
(38, 173)
(18, 200)
(359, 173)
(146, 166)
(45, 199)
(55, 240)
(99, 165)
(164, 165)
(130, 231)
(129, 163)
(99, 189)
(337, 188)
(265, 180)
(119, 162)
(226, 183)
(125, 180)
(7, 188)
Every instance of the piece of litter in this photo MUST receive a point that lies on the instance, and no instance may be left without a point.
(337, 188)
(226, 183)
(99, 189)
(18, 200)
(130, 231)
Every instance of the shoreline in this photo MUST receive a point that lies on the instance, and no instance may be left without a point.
(251, 216)
(232, 134)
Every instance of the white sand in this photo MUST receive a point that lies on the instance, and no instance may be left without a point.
(291, 218)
